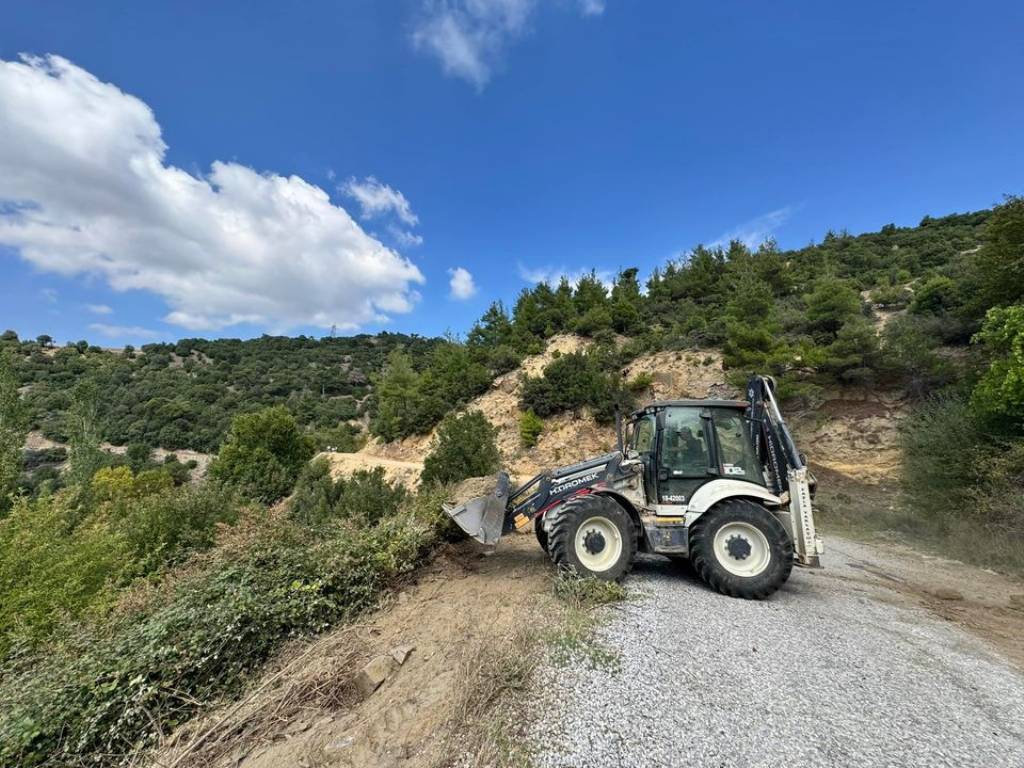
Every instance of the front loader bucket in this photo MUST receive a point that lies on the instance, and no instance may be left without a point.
(484, 517)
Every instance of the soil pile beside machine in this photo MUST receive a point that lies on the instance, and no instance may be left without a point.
(717, 482)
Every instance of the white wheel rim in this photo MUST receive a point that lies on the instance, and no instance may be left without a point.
(742, 549)
(598, 544)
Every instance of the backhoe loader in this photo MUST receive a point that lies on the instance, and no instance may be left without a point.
(718, 483)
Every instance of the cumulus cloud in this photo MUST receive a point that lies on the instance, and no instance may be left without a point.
(376, 199)
(123, 331)
(469, 37)
(754, 232)
(461, 284)
(99, 309)
(85, 189)
(552, 276)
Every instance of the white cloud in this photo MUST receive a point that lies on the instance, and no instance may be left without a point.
(754, 232)
(376, 199)
(469, 37)
(82, 165)
(461, 284)
(124, 331)
(403, 238)
(99, 309)
(50, 294)
(554, 275)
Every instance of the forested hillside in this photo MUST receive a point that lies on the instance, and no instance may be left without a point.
(184, 395)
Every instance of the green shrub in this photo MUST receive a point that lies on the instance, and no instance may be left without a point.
(530, 428)
(640, 383)
(263, 455)
(464, 447)
(999, 395)
(572, 382)
(104, 697)
(365, 497)
(60, 560)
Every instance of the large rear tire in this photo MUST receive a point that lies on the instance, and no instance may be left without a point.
(592, 535)
(741, 549)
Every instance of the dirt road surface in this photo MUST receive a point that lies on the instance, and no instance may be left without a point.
(883, 658)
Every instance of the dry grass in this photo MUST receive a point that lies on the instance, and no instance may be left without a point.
(482, 730)
(312, 680)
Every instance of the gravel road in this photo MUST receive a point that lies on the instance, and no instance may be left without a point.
(835, 670)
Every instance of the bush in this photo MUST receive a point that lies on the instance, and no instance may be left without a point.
(365, 498)
(999, 395)
(640, 383)
(572, 382)
(263, 455)
(464, 447)
(530, 428)
(105, 697)
(962, 485)
(60, 561)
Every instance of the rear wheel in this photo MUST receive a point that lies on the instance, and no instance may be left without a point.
(741, 549)
(593, 536)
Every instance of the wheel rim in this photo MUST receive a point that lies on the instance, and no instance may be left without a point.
(598, 544)
(742, 549)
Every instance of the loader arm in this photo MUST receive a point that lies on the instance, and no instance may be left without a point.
(788, 473)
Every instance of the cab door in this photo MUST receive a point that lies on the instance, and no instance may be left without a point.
(644, 444)
(685, 448)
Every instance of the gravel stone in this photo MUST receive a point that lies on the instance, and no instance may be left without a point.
(832, 670)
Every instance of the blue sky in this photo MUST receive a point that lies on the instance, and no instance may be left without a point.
(513, 140)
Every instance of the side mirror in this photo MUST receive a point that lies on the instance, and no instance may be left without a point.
(631, 454)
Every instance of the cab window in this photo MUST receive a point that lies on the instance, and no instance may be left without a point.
(684, 452)
(643, 435)
(735, 446)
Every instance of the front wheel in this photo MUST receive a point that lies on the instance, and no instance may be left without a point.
(541, 534)
(593, 536)
(741, 549)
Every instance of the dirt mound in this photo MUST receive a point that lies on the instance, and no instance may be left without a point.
(312, 709)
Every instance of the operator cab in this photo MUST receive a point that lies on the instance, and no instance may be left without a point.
(683, 444)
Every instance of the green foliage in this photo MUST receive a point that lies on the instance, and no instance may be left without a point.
(366, 497)
(263, 454)
(830, 305)
(103, 697)
(999, 395)
(753, 340)
(83, 428)
(997, 270)
(12, 431)
(909, 355)
(640, 383)
(184, 395)
(530, 427)
(464, 447)
(959, 477)
(60, 560)
(411, 403)
(938, 295)
(572, 382)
